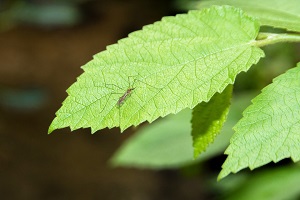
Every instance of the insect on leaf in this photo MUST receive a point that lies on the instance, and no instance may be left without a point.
(175, 63)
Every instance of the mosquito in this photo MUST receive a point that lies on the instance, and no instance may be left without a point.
(128, 92)
(124, 96)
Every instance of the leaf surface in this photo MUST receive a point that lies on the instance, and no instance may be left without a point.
(269, 130)
(168, 66)
(208, 119)
(276, 13)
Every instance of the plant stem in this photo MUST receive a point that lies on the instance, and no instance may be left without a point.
(264, 39)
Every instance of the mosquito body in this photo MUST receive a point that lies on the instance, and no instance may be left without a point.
(124, 96)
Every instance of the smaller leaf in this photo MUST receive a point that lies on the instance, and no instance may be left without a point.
(269, 130)
(208, 119)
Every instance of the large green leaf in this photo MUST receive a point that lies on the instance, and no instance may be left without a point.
(166, 67)
(208, 119)
(277, 13)
(269, 130)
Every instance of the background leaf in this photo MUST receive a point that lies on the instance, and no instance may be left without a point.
(269, 130)
(167, 143)
(164, 144)
(268, 184)
(208, 119)
(276, 13)
(172, 65)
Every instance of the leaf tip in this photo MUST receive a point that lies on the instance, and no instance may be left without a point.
(52, 126)
(196, 153)
(223, 174)
(50, 129)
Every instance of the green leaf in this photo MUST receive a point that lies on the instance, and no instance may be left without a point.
(269, 130)
(166, 67)
(276, 13)
(208, 119)
(167, 143)
(269, 184)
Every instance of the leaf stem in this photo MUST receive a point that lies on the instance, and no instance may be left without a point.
(264, 39)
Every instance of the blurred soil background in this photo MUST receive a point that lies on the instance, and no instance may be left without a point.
(39, 59)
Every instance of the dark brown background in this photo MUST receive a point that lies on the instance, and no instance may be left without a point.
(72, 165)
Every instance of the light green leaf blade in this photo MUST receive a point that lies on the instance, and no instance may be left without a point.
(167, 143)
(171, 65)
(276, 13)
(208, 119)
(269, 130)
